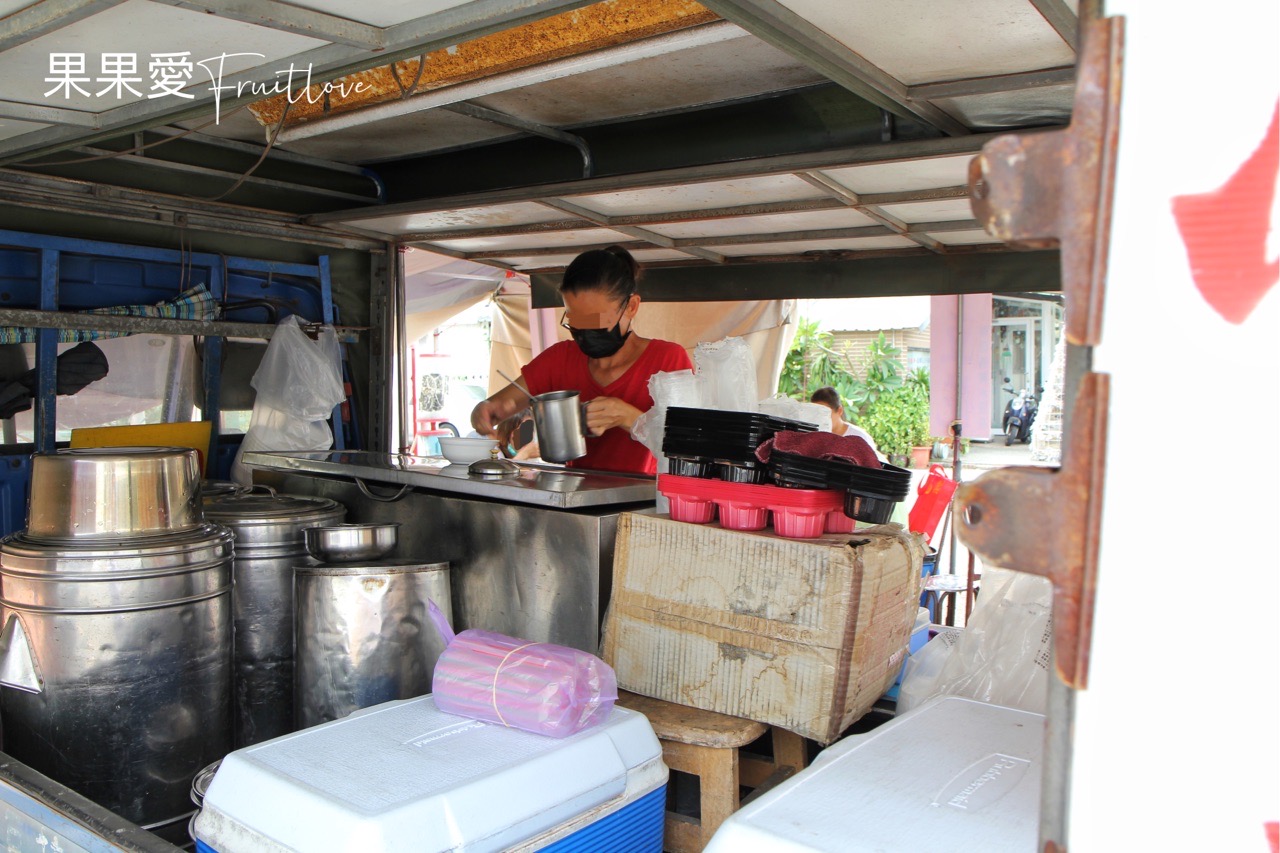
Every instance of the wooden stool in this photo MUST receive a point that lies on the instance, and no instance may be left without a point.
(705, 744)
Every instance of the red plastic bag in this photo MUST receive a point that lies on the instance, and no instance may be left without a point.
(933, 495)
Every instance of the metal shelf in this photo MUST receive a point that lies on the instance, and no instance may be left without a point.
(34, 319)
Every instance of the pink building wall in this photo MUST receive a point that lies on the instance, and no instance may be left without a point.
(975, 377)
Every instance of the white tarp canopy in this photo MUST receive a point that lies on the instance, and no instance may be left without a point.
(767, 326)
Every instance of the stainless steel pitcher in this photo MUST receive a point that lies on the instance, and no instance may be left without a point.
(560, 419)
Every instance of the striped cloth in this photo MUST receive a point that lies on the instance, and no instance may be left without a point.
(194, 304)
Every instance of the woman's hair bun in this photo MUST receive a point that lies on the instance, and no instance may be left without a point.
(627, 258)
(612, 270)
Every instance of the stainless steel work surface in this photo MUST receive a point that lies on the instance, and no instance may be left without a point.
(536, 485)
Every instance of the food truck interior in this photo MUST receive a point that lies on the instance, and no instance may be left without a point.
(178, 176)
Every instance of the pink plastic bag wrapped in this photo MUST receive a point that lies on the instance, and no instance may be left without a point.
(538, 687)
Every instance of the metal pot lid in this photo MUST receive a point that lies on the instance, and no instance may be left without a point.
(200, 785)
(493, 468)
(264, 505)
(210, 489)
(23, 542)
(20, 553)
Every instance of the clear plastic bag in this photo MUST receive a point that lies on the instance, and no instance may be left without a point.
(536, 687)
(298, 375)
(297, 385)
(669, 388)
(1002, 655)
(728, 373)
(784, 407)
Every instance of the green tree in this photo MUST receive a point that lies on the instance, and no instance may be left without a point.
(880, 377)
(811, 363)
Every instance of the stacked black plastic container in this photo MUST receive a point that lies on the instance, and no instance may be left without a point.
(870, 493)
(721, 445)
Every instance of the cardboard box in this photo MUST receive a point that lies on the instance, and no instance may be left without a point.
(805, 635)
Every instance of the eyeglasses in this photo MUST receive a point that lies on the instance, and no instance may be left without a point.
(564, 319)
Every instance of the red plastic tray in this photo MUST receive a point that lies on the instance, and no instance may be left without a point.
(795, 513)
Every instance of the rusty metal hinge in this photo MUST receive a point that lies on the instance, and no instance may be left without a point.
(1046, 521)
(1041, 190)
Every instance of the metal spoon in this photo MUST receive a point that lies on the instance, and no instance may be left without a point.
(513, 382)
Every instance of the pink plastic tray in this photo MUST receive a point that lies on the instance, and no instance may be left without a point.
(692, 509)
(795, 513)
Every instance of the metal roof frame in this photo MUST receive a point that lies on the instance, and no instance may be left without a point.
(430, 32)
(920, 215)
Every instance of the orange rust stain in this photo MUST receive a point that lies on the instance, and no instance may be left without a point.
(605, 24)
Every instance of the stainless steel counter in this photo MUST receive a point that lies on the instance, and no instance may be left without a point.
(530, 556)
(537, 485)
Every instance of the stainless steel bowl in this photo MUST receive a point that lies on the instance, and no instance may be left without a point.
(343, 543)
(114, 492)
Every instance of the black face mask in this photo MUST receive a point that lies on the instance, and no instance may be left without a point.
(600, 343)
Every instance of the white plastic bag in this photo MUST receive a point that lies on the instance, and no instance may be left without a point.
(728, 373)
(1001, 656)
(298, 375)
(668, 388)
(781, 406)
(298, 383)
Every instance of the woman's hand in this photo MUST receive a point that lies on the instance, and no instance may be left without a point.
(486, 416)
(605, 413)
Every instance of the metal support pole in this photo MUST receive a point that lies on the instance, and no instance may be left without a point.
(956, 425)
(1060, 699)
(327, 316)
(213, 373)
(398, 406)
(47, 358)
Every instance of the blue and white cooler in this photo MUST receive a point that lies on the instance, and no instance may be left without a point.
(406, 776)
(952, 774)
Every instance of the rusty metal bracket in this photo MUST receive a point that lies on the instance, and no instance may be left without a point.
(1047, 521)
(1040, 190)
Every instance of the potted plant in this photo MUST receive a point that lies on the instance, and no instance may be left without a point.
(899, 422)
(917, 388)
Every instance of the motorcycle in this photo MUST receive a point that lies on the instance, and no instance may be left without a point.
(1019, 415)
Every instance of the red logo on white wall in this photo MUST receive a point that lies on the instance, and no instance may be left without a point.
(1225, 232)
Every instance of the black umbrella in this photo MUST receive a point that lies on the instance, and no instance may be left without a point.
(79, 366)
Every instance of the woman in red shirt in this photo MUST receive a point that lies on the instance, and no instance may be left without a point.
(606, 363)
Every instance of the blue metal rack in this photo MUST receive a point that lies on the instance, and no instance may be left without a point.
(65, 274)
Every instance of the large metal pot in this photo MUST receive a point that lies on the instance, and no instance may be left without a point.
(268, 544)
(113, 492)
(363, 635)
(115, 661)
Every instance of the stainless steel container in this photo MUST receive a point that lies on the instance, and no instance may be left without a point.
(111, 492)
(363, 635)
(268, 544)
(351, 543)
(115, 661)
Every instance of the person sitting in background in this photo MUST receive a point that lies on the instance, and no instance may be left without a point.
(830, 398)
(516, 437)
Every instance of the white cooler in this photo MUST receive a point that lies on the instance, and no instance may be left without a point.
(953, 774)
(406, 776)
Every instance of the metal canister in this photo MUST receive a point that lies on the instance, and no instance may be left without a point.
(268, 544)
(115, 661)
(364, 636)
